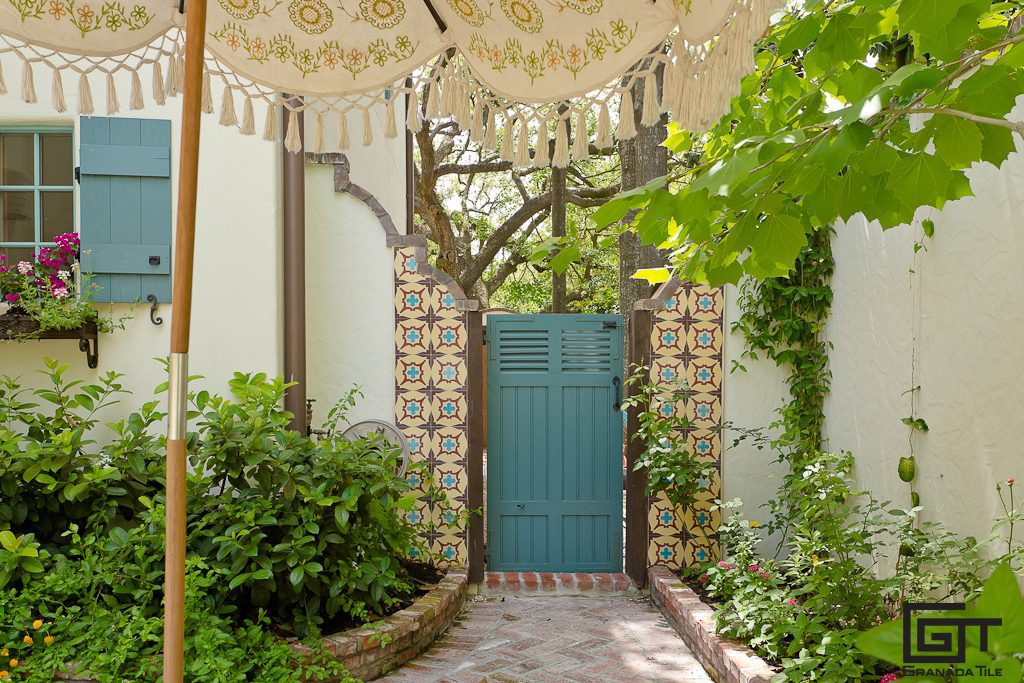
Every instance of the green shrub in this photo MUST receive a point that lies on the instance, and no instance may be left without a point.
(851, 563)
(283, 530)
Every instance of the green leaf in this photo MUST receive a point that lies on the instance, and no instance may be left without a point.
(32, 565)
(774, 244)
(907, 469)
(923, 179)
(564, 258)
(990, 91)
(996, 144)
(941, 27)
(928, 226)
(957, 141)
(884, 641)
(8, 540)
(1001, 598)
(800, 36)
(653, 275)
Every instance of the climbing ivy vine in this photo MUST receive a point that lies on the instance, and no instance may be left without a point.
(782, 319)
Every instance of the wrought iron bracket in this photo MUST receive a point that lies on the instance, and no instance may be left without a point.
(154, 303)
(89, 345)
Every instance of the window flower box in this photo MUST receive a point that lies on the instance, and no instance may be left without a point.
(17, 326)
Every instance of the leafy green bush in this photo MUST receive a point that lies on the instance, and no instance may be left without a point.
(851, 564)
(673, 469)
(283, 530)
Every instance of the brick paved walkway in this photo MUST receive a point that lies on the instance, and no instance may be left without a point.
(527, 638)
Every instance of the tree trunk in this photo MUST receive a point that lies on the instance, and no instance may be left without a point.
(643, 159)
(559, 302)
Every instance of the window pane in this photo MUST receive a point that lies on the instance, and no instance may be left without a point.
(15, 254)
(58, 209)
(17, 159)
(57, 160)
(18, 220)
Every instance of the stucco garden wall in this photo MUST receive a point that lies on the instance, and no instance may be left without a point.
(949, 319)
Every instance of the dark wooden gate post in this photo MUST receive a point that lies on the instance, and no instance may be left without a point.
(475, 456)
(637, 507)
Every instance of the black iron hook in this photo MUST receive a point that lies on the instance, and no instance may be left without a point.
(153, 317)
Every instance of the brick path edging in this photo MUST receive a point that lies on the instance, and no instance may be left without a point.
(371, 651)
(726, 661)
(580, 583)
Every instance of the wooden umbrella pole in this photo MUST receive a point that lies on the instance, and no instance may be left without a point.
(181, 313)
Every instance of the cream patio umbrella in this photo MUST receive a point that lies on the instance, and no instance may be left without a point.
(517, 71)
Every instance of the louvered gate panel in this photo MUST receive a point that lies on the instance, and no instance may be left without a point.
(554, 443)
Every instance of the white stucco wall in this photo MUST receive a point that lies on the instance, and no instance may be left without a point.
(964, 304)
(750, 400)
(237, 310)
(350, 271)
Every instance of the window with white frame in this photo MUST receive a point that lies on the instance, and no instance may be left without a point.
(37, 191)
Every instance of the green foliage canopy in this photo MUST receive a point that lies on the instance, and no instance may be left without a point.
(827, 127)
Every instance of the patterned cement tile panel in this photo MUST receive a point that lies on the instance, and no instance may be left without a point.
(430, 399)
(531, 639)
(686, 346)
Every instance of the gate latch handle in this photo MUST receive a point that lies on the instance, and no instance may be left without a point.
(616, 382)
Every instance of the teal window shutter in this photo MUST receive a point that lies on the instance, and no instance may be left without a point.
(125, 200)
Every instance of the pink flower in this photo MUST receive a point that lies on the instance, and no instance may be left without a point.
(703, 579)
(889, 678)
(1011, 481)
(791, 602)
(11, 298)
(753, 568)
(724, 565)
(24, 267)
(61, 293)
(765, 575)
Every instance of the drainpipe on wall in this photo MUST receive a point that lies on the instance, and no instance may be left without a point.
(294, 186)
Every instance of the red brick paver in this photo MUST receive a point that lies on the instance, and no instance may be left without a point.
(527, 638)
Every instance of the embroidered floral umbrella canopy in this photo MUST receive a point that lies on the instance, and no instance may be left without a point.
(526, 68)
(493, 64)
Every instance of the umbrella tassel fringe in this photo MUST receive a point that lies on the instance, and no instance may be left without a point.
(581, 143)
(343, 141)
(541, 157)
(227, 109)
(270, 124)
(523, 144)
(28, 86)
(560, 159)
(413, 121)
(159, 95)
(58, 92)
(318, 133)
(207, 94)
(367, 129)
(135, 101)
(113, 106)
(85, 105)
(391, 128)
(248, 118)
(292, 139)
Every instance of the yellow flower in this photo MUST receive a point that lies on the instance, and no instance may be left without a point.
(4, 675)
(815, 561)
(48, 640)
(4, 652)
(754, 524)
(37, 624)
(13, 663)
(28, 640)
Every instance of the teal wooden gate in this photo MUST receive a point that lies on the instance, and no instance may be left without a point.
(554, 443)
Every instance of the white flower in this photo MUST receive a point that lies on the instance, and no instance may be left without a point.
(63, 275)
(75, 266)
(24, 267)
(61, 293)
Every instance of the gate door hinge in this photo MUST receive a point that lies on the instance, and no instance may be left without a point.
(609, 325)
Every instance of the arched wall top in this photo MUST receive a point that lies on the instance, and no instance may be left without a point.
(394, 239)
